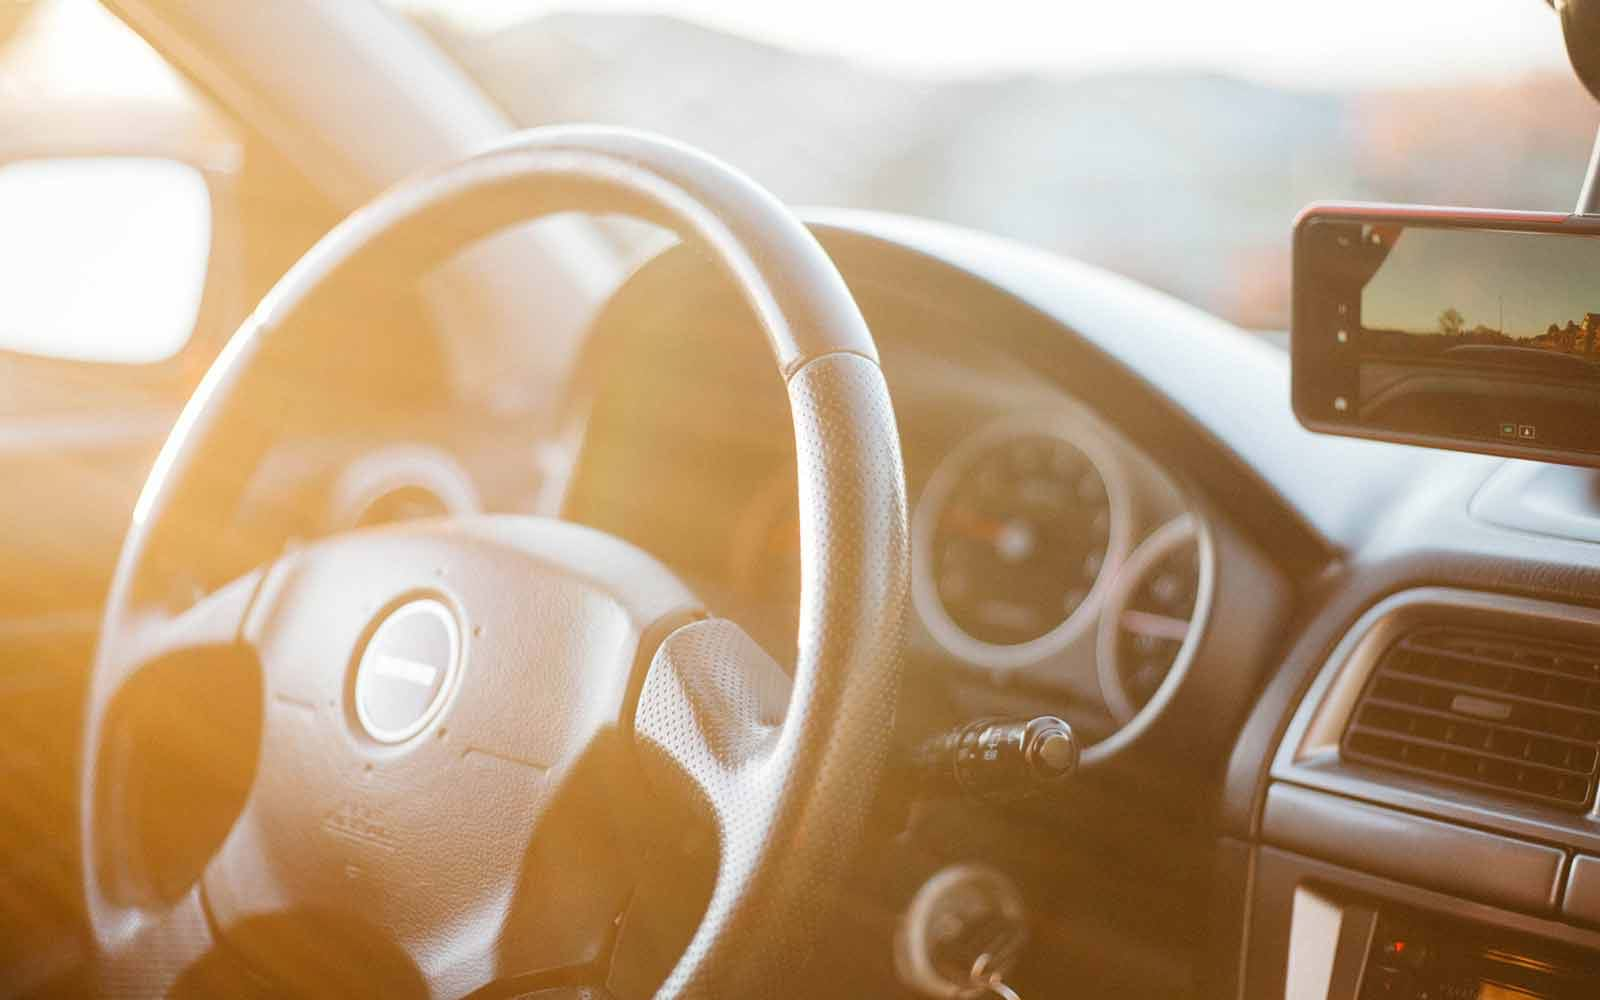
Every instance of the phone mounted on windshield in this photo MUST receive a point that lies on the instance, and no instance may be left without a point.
(1467, 329)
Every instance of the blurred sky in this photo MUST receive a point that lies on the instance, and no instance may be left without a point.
(1534, 280)
(1300, 43)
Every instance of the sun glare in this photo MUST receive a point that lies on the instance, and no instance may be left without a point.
(76, 51)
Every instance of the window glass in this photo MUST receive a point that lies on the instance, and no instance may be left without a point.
(1170, 140)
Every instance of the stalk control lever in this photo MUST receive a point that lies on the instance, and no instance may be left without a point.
(999, 760)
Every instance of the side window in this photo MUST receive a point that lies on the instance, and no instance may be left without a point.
(105, 257)
(115, 227)
(115, 265)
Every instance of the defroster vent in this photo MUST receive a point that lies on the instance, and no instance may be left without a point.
(1506, 713)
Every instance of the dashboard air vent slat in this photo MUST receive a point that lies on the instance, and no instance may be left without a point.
(1514, 715)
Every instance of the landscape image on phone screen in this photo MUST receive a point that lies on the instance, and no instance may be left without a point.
(1480, 332)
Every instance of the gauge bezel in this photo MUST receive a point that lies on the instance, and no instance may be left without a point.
(376, 474)
(999, 657)
(1185, 529)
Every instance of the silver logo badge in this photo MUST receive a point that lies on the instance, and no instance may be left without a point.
(407, 670)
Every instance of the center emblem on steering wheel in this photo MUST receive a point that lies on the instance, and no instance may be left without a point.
(406, 672)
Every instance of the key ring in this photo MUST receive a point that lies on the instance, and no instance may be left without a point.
(991, 982)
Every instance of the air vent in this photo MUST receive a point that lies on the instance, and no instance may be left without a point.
(1495, 711)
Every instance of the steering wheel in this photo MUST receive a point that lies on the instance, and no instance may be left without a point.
(464, 755)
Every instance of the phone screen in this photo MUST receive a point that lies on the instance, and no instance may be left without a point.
(1483, 338)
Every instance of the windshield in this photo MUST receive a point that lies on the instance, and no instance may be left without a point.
(1170, 141)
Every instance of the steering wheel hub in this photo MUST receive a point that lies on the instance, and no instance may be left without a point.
(407, 670)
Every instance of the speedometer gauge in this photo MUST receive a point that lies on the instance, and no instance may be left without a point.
(1017, 532)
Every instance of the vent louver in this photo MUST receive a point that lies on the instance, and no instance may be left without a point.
(1494, 711)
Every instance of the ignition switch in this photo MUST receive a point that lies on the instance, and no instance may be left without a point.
(961, 934)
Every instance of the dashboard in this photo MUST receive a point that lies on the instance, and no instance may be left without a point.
(1117, 520)
(1057, 567)
(1079, 550)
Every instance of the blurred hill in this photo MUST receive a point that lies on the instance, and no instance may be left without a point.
(1187, 181)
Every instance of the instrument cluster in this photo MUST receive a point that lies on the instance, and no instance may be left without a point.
(1047, 552)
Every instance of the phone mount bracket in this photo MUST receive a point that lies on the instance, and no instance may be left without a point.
(1589, 194)
(1580, 27)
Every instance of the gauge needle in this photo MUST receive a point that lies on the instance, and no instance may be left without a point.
(974, 525)
(1151, 624)
(1013, 540)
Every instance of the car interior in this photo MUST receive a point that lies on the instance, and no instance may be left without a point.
(466, 533)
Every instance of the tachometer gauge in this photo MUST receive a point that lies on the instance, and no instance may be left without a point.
(1017, 533)
(1148, 627)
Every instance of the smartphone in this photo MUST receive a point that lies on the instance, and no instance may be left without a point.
(1469, 329)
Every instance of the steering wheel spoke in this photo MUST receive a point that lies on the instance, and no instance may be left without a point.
(709, 721)
(161, 693)
(150, 635)
(153, 949)
(707, 727)
(709, 716)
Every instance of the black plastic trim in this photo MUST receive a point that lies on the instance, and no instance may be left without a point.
(1470, 863)
(1582, 899)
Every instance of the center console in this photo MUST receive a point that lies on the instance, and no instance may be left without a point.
(1354, 948)
(1431, 829)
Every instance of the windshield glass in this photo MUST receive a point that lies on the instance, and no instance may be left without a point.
(1170, 141)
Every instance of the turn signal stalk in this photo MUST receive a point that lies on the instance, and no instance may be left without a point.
(999, 760)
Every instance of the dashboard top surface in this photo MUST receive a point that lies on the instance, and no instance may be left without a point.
(1233, 383)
